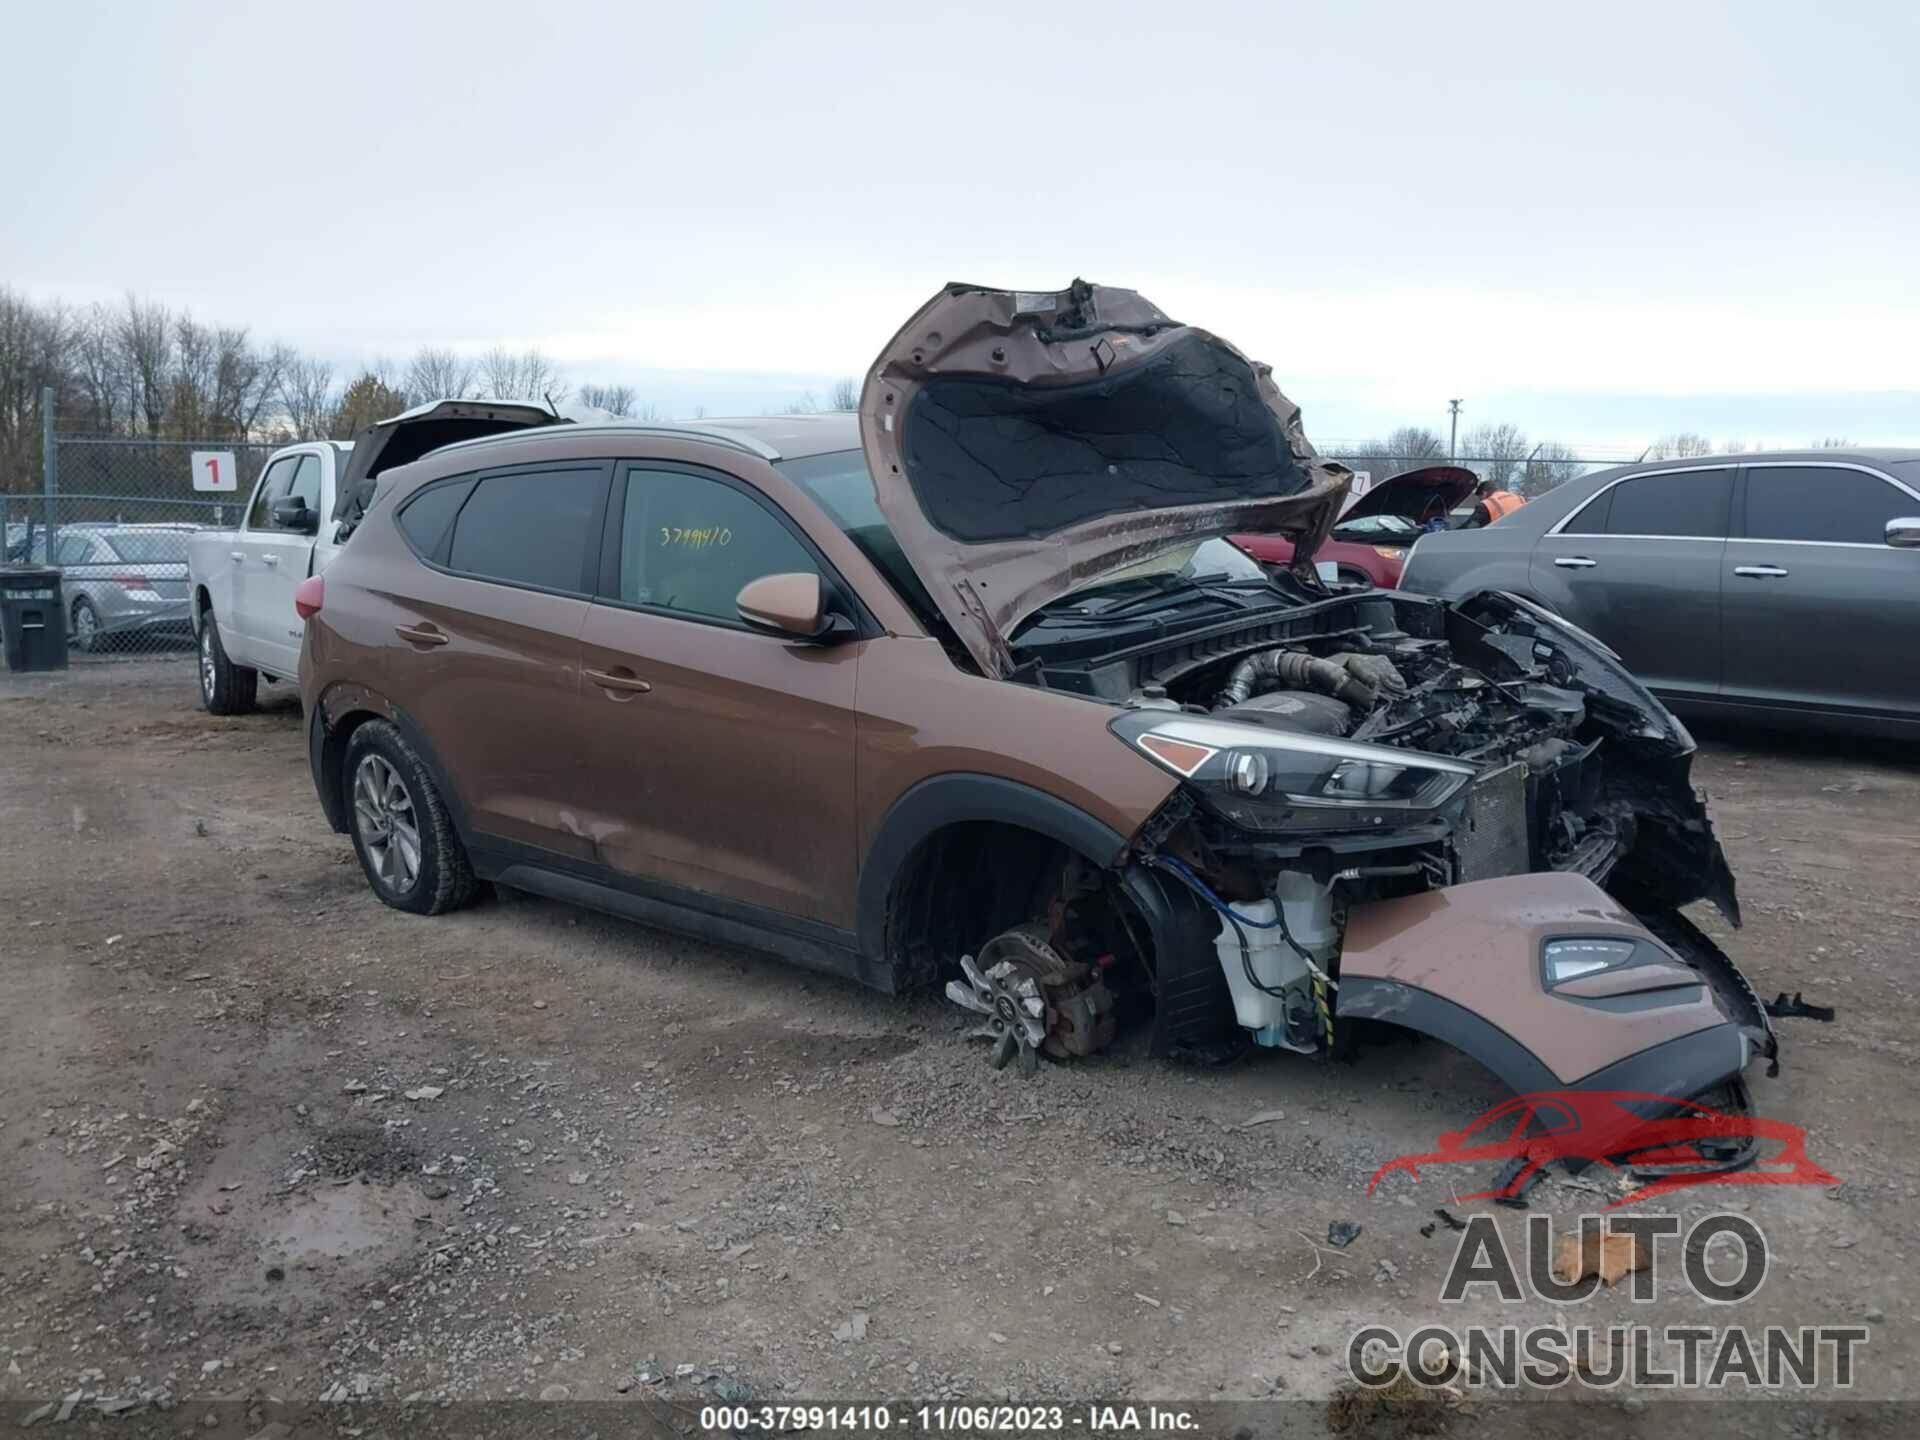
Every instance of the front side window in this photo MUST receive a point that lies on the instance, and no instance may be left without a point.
(1822, 504)
(534, 528)
(305, 484)
(1688, 504)
(689, 544)
(273, 485)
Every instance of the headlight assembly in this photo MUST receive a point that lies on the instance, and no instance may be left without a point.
(1265, 779)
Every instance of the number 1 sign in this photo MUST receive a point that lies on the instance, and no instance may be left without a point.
(214, 470)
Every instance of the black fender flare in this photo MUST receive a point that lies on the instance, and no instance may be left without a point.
(326, 747)
(956, 798)
(1363, 997)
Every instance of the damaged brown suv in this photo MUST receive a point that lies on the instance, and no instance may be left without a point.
(970, 687)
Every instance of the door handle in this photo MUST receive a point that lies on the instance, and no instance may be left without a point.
(420, 635)
(1574, 562)
(269, 559)
(1759, 572)
(625, 681)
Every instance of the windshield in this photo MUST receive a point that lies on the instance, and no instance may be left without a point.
(1372, 527)
(841, 485)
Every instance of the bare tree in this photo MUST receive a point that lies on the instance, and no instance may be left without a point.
(805, 405)
(1495, 452)
(614, 399)
(526, 375)
(146, 342)
(33, 343)
(1548, 467)
(99, 369)
(845, 394)
(440, 374)
(1682, 446)
(1833, 442)
(307, 398)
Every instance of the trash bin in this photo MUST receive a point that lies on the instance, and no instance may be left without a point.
(33, 619)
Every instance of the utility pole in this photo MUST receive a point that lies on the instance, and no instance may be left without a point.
(1453, 430)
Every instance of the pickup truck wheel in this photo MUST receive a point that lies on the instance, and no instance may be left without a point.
(401, 829)
(225, 688)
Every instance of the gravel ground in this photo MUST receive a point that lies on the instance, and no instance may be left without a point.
(265, 1138)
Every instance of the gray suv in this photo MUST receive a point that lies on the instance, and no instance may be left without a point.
(1783, 588)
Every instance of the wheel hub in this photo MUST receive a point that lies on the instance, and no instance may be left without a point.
(1032, 1000)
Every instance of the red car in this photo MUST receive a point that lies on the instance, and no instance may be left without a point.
(1669, 1144)
(1369, 545)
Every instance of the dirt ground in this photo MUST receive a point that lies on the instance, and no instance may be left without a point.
(261, 1136)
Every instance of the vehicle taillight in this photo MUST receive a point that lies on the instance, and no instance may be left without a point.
(133, 580)
(308, 596)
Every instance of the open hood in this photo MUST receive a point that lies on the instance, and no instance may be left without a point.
(407, 436)
(1024, 445)
(1413, 493)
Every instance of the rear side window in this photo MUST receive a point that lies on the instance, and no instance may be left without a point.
(1818, 503)
(535, 528)
(1592, 519)
(690, 544)
(1684, 503)
(153, 548)
(425, 519)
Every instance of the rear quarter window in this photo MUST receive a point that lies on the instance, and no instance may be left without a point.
(426, 518)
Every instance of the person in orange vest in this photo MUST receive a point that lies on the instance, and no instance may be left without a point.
(1493, 502)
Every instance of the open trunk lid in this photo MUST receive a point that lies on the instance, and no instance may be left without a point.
(407, 436)
(1412, 493)
(1024, 445)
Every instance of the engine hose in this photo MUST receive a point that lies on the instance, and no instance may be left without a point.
(1236, 919)
(1296, 670)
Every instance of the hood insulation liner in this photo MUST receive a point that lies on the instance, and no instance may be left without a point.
(992, 459)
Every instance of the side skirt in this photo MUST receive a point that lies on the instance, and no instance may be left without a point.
(806, 943)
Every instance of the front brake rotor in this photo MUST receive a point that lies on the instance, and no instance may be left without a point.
(1007, 986)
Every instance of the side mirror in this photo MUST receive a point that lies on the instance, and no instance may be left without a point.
(1904, 533)
(291, 513)
(793, 607)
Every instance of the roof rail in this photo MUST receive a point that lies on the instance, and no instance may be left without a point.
(733, 439)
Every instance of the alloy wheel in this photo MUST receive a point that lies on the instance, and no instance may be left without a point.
(86, 625)
(384, 816)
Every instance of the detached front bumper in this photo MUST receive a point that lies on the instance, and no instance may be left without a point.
(1497, 969)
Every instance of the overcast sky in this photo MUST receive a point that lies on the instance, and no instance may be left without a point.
(1599, 222)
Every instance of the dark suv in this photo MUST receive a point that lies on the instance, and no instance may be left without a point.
(972, 686)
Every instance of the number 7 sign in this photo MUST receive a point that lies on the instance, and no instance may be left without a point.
(214, 470)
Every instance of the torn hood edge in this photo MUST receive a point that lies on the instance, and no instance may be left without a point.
(386, 443)
(985, 589)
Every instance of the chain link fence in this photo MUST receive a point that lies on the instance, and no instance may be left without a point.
(114, 516)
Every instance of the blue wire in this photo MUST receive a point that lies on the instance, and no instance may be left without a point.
(1200, 888)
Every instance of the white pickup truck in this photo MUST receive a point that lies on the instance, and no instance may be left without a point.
(303, 507)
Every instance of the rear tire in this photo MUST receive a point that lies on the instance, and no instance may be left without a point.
(225, 688)
(400, 825)
(84, 626)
